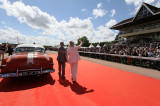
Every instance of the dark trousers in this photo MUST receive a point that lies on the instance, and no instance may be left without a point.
(9, 53)
(62, 67)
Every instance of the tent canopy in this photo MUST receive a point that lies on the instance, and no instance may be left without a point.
(98, 46)
(91, 46)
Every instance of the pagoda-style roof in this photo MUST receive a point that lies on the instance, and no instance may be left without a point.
(145, 13)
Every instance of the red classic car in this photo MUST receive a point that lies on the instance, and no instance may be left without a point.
(28, 59)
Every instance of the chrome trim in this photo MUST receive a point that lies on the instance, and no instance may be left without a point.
(17, 74)
(29, 70)
(41, 71)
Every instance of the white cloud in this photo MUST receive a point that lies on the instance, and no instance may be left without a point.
(111, 23)
(10, 35)
(83, 10)
(62, 31)
(99, 5)
(113, 12)
(31, 15)
(3, 22)
(103, 33)
(137, 4)
(158, 4)
(99, 13)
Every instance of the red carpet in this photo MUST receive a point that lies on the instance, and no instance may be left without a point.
(97, 85)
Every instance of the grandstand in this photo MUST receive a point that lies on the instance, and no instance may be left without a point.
(143, 28)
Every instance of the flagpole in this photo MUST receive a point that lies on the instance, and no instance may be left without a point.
(17, 40)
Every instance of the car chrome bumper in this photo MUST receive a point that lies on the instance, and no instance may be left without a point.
(25, 73)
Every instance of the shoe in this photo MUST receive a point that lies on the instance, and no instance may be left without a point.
(74, 82)
(63, 77)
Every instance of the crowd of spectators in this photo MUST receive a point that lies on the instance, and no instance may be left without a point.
(134, 50)
(5, 48)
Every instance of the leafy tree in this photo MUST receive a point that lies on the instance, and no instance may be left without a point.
(95, 44)
(116, 39)
(85, 41)
(101, 44)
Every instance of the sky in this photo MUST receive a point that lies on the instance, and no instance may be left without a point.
(48, 22)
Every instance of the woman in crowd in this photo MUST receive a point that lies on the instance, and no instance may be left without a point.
(73, 58)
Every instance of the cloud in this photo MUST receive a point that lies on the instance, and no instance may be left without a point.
(99, 13)
(83, 10)
(137, 4)
(111, 23)
(99, 5)
(31, 15)
(103, 33)
(158, 4)
(10, 35)
(113, 12)
(52, 31)
(3, 22)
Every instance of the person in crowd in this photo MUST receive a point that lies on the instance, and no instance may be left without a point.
(73, 58)
(61, 58)
(150, 54)
(145, 54)
(3, 49)
(140, 53)
(0, 51)
(135, 53)
(10, 50)
(141, 50)
(156, 54)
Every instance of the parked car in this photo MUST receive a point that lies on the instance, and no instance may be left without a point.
(28, 59)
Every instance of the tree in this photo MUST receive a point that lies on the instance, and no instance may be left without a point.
(95, 44)
(101, 44)
(116, 39)
(85, 41)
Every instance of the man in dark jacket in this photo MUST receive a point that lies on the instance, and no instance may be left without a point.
(62, 59)
(10, 50)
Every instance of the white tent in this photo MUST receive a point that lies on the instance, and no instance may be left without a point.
(98, 46)
(91, 46)
(83, 47)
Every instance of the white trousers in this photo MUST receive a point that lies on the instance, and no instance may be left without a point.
(74, 67)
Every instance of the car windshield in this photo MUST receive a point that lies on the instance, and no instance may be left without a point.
(29, 49)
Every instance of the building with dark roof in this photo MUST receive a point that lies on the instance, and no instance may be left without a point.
(143, 27)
